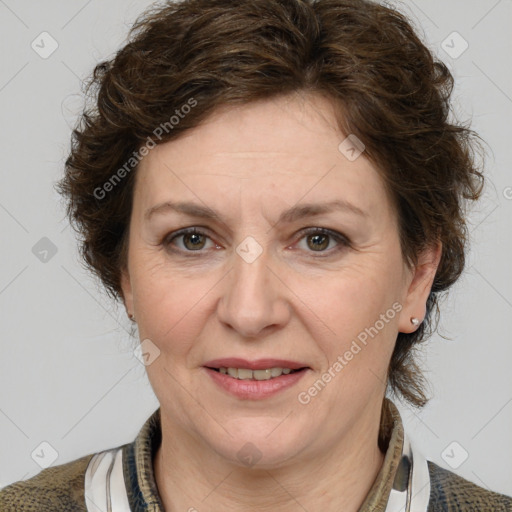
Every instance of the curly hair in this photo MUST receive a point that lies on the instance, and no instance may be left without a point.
(184, 59)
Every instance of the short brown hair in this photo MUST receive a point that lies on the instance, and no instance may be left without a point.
(390, 90)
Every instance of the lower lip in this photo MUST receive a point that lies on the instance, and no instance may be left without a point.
(255, 389)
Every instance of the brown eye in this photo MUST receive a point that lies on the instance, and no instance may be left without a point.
(318, 242)
(187, 241)
(321, 240)
(193, 241)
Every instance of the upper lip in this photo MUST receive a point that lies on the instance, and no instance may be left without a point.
(258, 364)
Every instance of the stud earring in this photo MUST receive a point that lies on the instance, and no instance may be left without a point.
(415, 321)
(132, 317)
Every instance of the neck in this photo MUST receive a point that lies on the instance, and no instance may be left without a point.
(188, 478)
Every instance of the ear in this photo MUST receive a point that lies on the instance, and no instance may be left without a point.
(126, 287)
(421, 278)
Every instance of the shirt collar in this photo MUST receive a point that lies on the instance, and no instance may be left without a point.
(143, 493)
(391, 440)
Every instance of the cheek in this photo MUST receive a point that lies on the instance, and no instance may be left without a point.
(171, 306)
(359, 312)
(356, 299)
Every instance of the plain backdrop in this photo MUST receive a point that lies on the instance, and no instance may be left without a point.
(68, 375)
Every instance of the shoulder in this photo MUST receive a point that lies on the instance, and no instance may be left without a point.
(55, 488)
(452, 493)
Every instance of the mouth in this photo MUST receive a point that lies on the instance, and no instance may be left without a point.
(255, 380)
(248, 374)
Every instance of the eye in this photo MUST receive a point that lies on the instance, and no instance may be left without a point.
(319, 239)
(193, 240)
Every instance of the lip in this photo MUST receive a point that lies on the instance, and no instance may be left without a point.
(254, 389)
(259, 364)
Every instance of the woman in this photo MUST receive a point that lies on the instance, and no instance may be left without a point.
(274, 191)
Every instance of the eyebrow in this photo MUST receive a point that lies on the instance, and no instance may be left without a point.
(295, 213)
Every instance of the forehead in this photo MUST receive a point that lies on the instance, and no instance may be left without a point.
(276, 150)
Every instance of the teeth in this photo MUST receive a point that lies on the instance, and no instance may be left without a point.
(275, 372)
(261, 374)
(247, 374)
(243, 373)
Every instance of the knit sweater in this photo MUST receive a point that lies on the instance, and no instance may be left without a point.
(61, 488)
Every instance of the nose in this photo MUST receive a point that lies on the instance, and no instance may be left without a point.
(253, 301)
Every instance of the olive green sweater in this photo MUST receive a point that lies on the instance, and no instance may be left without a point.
(61, 488)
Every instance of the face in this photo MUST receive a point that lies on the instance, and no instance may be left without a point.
(286, 254)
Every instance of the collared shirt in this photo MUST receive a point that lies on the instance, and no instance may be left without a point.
(124, 475)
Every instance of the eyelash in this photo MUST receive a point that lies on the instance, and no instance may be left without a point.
(342, 241)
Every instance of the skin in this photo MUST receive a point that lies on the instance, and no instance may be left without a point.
(296, 302)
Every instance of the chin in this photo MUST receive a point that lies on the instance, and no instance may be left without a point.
(260, 444)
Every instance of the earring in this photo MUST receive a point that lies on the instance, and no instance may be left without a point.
(132, 317)
(415, 321)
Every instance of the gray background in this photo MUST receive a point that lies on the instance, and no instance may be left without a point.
(68, 374)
